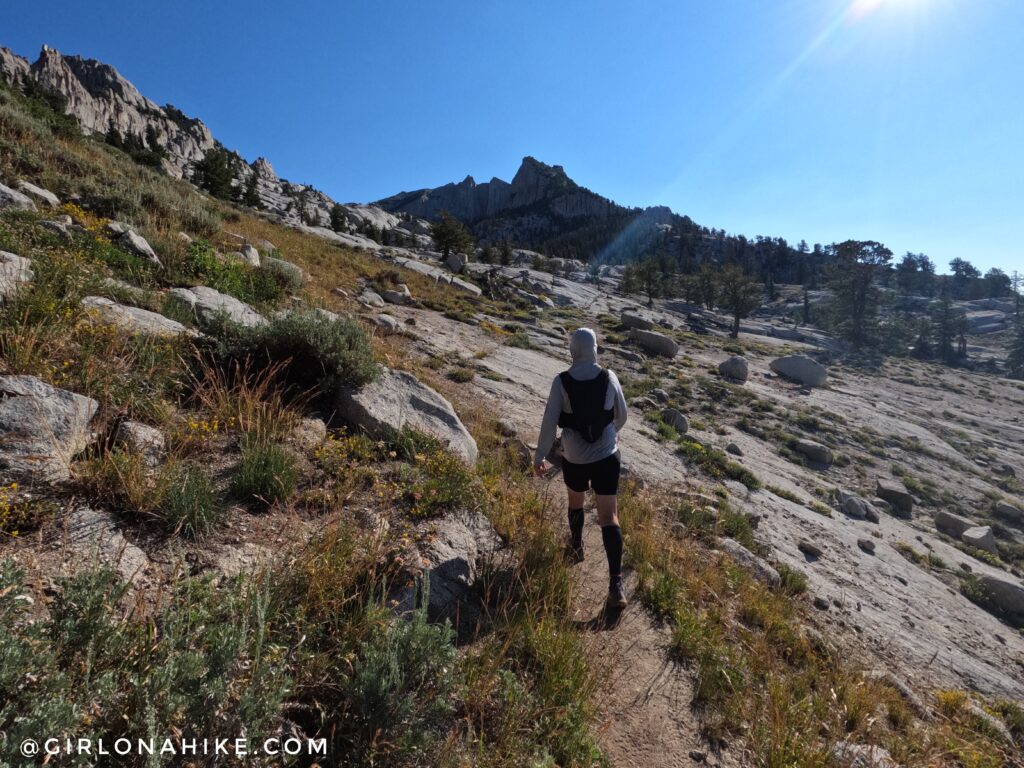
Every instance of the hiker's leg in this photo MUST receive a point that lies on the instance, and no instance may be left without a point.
(611, 533)
(576, 485)
(606, 487)
(576, 501)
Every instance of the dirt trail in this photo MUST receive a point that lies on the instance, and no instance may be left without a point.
(644, 699)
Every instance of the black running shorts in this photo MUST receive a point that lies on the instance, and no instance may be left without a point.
(602, 476)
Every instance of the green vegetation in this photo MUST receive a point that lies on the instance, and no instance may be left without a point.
(310, 350)
(266, 472)
(253, 285)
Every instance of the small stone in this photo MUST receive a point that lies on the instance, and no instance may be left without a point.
(866, 545)
(698, 756)
(821, 603)
(734, 449)
(660, 395)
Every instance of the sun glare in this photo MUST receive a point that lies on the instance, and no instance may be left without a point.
(860, 9)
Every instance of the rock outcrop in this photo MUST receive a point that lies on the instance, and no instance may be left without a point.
(99, 98)
(396, 400)
(42, 428)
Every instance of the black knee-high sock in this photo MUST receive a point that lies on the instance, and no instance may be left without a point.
(612, 536)
(576, 526)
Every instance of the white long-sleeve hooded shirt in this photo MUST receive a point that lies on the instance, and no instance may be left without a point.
(583, 348)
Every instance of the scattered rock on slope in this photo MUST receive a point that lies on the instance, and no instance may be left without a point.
(44, 196)
(1005, 510)
(735, 368)
(1004, 594)
(42, 428)
(132, 319)
(896, 493)
(93, 535)
(852, 505)
(952, 525)
(142, 439)
(676, 420)
(249, 255)
(397, 399)
(208, 305)
(758, 566)
(133, 242)
(635, 320)
(654, 342)
(15, 271)
(452, 552)
(802, 369)
(980, 537)
(816, 452)
(847, 754)
(12, 198)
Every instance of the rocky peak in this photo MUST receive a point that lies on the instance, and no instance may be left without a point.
(536, 181)
(99, 98)
(264, 169)
(101, 81)
(13, 68)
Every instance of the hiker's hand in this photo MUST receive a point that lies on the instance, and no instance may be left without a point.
(540, 469)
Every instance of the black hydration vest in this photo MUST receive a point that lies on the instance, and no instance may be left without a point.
(589, 417)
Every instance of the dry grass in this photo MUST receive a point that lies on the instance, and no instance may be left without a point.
(760, 674)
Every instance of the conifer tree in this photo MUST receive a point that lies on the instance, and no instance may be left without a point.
(740, 294)
(450, 236)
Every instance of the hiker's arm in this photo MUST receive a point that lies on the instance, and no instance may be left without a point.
(550, 423)
(619, 406)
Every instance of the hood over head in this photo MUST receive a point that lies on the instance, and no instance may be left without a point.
(583, 346)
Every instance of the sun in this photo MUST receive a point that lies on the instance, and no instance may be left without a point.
(861, 8)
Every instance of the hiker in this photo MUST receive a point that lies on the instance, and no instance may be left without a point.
(587, 403)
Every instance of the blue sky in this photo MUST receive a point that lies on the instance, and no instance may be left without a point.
(895, 120)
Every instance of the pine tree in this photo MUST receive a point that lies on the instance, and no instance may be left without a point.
(945, 325)
(214, 173)
(858, 264)
(113, 137)
(707, 286)
(339, 221)
(487, 254)
(251, 196)
(505, 256)
(740, 294)
(450, 236)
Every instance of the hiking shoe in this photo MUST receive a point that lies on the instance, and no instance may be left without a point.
(616, 594)
(573, 553)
